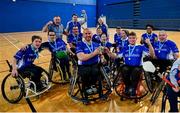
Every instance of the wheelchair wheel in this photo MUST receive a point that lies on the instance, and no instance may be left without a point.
(106, 83)
(31, 88)
(117, 75)
(157, 92)
(13, 89)
(141, 90)
(75, 88)
(55, 73)
(149, 82)
(44, 78)
(164, 102)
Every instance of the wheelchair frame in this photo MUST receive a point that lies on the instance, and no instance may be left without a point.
(76, 83)
(24, 86)
(51, 71)
(118, 81)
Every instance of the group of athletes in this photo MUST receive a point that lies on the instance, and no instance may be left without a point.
(88, 50)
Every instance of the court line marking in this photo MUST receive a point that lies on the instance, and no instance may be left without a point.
(9, 36)
(9, 41)
(12, 37)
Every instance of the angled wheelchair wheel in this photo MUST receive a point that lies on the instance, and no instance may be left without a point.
(55, 73)
(13, 89)
(106, 83)
(75, 88)
(149, 81)
(164, 102)
(157, 92)
(31, 88)
(141, 90)
(117, 76)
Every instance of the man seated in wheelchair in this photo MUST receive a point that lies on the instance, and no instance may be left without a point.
(123, 42)
(132, 69)
(174, 92)
(59, 50)
(23, 62)
(88, 58)
(73, 39)
(166, 52)
(105, 43)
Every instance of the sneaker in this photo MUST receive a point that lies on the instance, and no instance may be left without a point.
(89, 91)
(104, 98)
(94, 89)
(86, 102)
(132, 92)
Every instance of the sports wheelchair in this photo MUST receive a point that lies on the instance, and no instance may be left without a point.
(153, 70)
(141, 90)
(75, 88)
(55, 72)
(162, 87)
(14, 88)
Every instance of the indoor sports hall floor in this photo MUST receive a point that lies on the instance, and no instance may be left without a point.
(57, 99)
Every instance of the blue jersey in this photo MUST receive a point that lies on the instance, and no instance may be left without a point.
(165, 50)
(58, 45)
(58, 29)
(152, 37)
(96, 38)
(26, 57)
(87, 49)
(104, 28)
(72, 38)
(117, 38)
(72, 24)
(123, 43)
(106, 44)
(133, 54)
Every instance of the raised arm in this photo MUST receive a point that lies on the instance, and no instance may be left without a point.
(84, 20)
(151, 49)
(45, 28)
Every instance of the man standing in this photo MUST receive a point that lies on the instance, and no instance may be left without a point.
(55, 26)
(74, 22)
(149, 35)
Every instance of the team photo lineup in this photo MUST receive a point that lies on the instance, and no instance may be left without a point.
(96, 66)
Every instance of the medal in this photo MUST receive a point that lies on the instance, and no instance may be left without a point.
(160, 46)
(149, 36)
(35, 51)
(131, 52)
(89, 48)
(54, 46)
